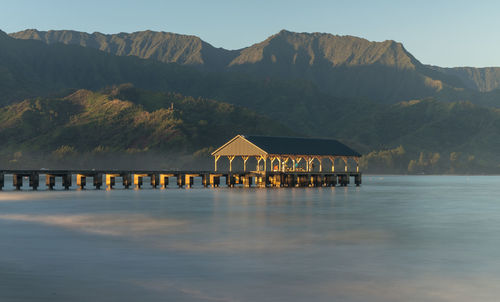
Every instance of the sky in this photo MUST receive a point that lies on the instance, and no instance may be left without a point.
(441, 32)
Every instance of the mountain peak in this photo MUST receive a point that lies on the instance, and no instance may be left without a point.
(314, 49)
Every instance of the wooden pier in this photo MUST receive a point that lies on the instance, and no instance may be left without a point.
(279, 162)
(183, 179)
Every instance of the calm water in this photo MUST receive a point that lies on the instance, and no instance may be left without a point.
(407, 238)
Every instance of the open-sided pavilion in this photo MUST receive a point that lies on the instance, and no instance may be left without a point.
(288, 152)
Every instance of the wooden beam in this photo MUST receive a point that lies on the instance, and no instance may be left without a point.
(345, 159)
(245, 158)
(216, 158)
(231, 158)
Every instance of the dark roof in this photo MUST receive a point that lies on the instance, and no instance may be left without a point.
(301, 146)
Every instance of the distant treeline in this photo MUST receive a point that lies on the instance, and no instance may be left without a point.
(398, 161)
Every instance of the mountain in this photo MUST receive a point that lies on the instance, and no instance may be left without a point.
(343, 66)
(99, 123)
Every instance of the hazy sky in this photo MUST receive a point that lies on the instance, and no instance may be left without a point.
(438, 32)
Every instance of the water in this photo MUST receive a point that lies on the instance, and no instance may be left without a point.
(425, 238)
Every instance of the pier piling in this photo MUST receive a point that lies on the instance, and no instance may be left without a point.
(34, 180)
(215, 180)
(50, 181)
(110, 180)
(81, 181)
(138, 180)
(155, 180)
(188, 180)
(164, 180)
(66, 181)
(17, 181)
(180, 180)
(230, 180)
(97, 180)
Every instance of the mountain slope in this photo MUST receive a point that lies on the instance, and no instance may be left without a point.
(480, 79)
(86, 122)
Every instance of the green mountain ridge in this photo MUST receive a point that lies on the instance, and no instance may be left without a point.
(161, 46)
(343, 66)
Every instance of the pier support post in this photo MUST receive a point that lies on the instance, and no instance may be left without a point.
(81, 181)
(357, 179)
(126, 180)
(205, 180)
(290, 180)
(343, 180)
(2, 179)
(247, 181)
(66, 181)
(188, 181)
(215, 180)
(155, 180)
(276, 180)
(304, 181)
(180, 180)
(17, 181)
(138, 180)
(50, 181)
(263, 180)
(311, 180)
(34, 180)
(331, 180)
(163, 181)
(230, 181)
(98, 180)
(110, 181)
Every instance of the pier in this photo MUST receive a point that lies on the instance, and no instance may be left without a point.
(180, 179)
(279, 162)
